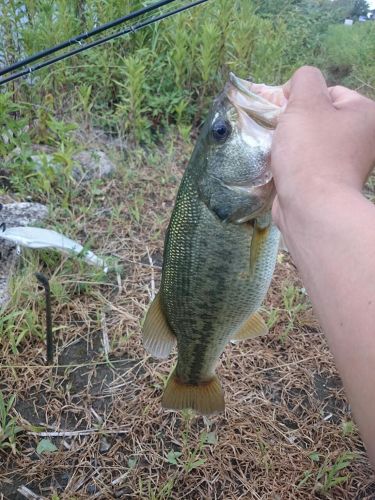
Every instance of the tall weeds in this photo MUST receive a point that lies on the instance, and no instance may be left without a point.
(170, 71)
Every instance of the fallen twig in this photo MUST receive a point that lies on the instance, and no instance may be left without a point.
(152, 293)
(85, 432)
(25, 492)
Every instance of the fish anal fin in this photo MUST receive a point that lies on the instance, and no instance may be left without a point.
(205, 398)
(258, 240)
(158, 338)
(253, 327)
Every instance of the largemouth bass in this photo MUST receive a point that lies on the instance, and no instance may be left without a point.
(220, 248)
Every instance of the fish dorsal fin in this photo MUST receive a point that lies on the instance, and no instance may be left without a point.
(258, 240)
(253, 327)
(158, 338)
(205, 398)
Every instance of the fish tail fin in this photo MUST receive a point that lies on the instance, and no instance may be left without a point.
(206, 398)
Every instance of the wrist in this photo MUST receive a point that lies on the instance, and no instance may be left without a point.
(308, 206)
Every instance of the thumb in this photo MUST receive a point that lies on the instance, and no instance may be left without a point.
(309, 87)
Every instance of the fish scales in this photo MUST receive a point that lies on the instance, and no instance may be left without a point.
(220, 249)
(209, 298)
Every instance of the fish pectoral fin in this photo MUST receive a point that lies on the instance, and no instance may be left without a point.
(253, 327)
(258, 239)
(158, 338)
(205, 398)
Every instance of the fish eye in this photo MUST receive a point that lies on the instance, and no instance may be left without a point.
(221, 130)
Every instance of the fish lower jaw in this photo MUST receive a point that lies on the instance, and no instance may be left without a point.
(250, 217)
(262, 196)
(248, 187)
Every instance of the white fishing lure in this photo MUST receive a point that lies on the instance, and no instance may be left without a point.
(37, 237)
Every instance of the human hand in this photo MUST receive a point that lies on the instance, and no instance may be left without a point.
(325, 140)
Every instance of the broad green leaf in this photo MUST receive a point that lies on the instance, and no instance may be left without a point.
(173, 456)
(45, 446)
(209, 437)
(196, 464)
(132, 462)
(314, 456)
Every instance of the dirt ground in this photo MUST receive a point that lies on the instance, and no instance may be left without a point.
(287, 432)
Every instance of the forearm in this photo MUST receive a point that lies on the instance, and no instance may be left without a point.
(334, 250)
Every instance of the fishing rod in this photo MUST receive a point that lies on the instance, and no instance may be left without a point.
(83, 36)
(131, 29)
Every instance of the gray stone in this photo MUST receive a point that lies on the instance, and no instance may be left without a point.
(22, 214)
(104, 445)
(93, 165)
(13, 215)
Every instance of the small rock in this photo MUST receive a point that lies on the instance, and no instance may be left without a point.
(13, 215)
(104, 445)
(123, 492)
(91, 489)
(22, 214)
(94, 164)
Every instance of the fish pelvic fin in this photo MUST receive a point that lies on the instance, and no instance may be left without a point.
(205, 398)
(158, 338)
(260, 235)
(253, 327)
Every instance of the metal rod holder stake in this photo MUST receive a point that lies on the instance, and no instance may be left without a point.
(43, 280)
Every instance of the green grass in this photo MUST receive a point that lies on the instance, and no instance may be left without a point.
(167, 74)
(8, 427)
(294, 303)
(329, 474)
(151, 90)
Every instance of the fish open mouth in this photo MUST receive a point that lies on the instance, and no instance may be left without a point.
(258, 108)
(263, 103)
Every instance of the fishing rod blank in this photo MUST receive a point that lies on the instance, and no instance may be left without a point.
(84, 36)
(131, 29)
